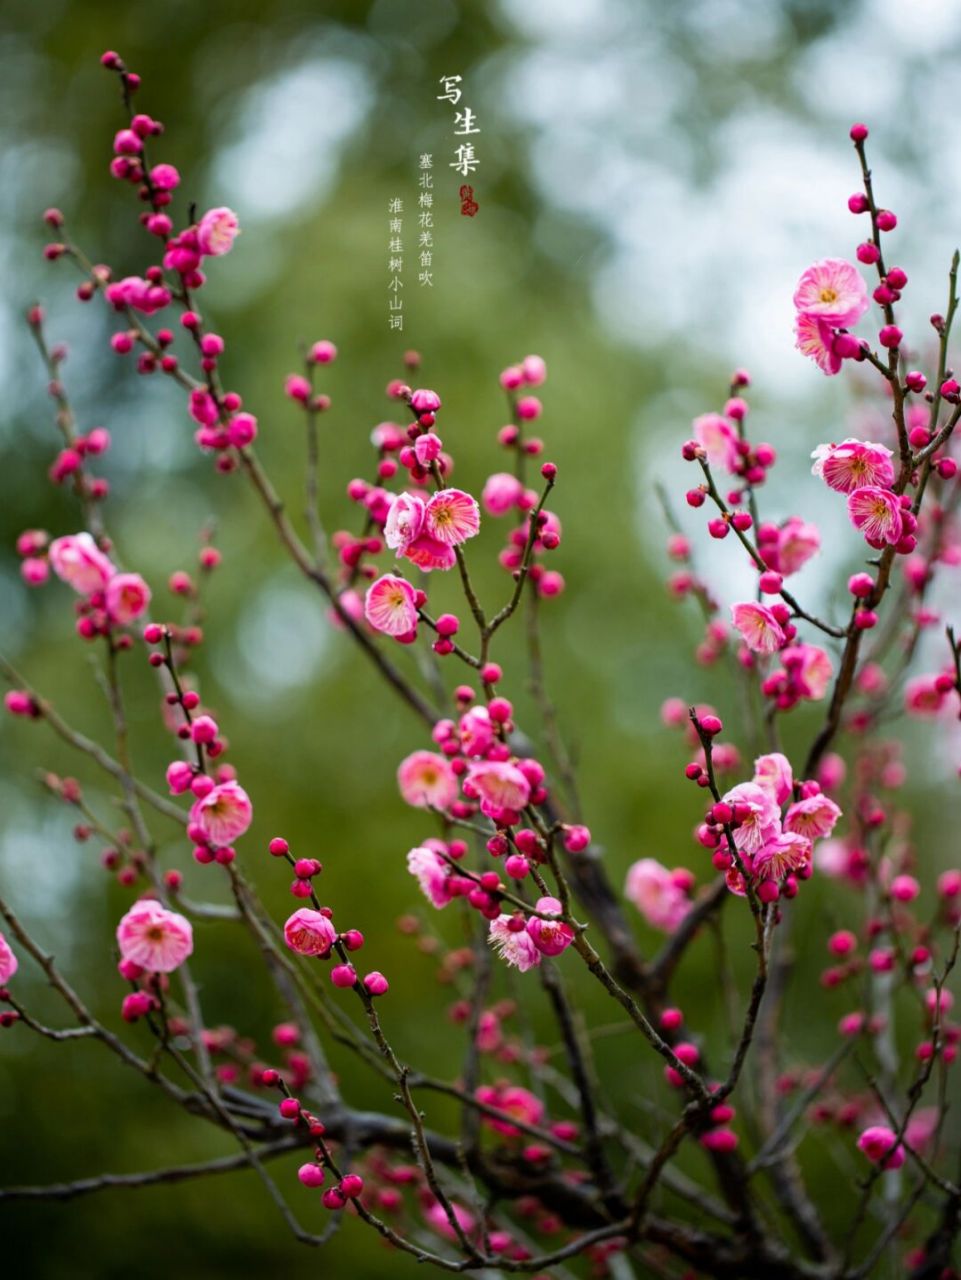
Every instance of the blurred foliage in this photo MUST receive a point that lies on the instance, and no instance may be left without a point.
(313, 735)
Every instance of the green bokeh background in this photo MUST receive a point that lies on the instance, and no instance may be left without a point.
(313, 735)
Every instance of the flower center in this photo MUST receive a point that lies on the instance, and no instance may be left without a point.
(828, 295)
(155, 933)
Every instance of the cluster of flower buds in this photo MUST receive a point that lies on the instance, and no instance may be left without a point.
(109, 599)
(755, 843)
(310, 931)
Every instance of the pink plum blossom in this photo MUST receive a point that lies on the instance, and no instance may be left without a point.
(154, 938)
(515, 1100)
(550, 937)
(431, 873)
(351, 604)
(813, 338)
(718, 439)
(427, 448)
(476, 731)
(9, 964)
(78, 561)
(137, 294)
(853, 464)
(390, 606)
(922, 1128)
(217, 231)
(832, 291)
(500, 785)
(813, 817)
(922, 697)
(774, 772)
(786, 852)
(516, 946)
(309, 932)
(877, 513)
(127, 597)
(797, 542)
(428, 553)
(452, 517)
(405, 519)
(436, 1217)
(223, 814)
(758, 626)
(655, 893)
(426, 780)
(880, 1145)
(759, 819)
(501, 493)
(813, 669)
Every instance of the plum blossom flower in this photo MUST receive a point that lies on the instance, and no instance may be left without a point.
(390, 606)
(501, 493)
(832, 291)
(500, 785)
(431, 873)
(138, 294)
(922, 1128)
(405, 519)
(775, 773)
(515, 1100)
(154, 938)
(811, 667)
(223, 814)
(78, 561)
(877, 513)
(880, 1145)
(309, 932)
(813, 817)
(428, 553)
(787, 852)
(436, 1217)
(758, 814)
(351, 604)
(758, 626)
(217, 231)
(718, 439)
(452, 517)
(839, 861)
(813, 338)
(922, 697)
(797, 542)
(427, 448)
(476, 731)
(516, 946)
(550, 937)
(426, 780)
(127, 597)
(655, 893)
(852, 464)
(9, 964)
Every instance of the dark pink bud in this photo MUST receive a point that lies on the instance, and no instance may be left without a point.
(311, 1175)
(343, 975)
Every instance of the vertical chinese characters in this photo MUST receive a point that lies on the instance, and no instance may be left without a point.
(425, 220)
(466, 160)
(395, 262)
